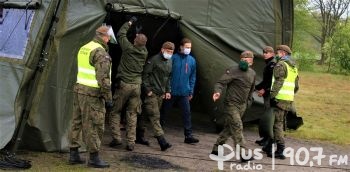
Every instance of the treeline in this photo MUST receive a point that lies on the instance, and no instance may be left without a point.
(321, 39)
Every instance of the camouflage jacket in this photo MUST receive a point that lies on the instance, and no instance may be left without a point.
(132, 60)
(157, 75)
(100, 59)
(240, 85)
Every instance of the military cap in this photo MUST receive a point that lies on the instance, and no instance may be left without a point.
(284, 48)
(168, 45)
(268, 49)
(247, 54)
(102, 30)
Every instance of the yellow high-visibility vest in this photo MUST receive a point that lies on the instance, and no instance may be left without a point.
(86, 72)
(287, 90)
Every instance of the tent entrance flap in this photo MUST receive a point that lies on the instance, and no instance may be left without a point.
(157, 29)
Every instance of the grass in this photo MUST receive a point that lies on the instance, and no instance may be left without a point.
(324, 103)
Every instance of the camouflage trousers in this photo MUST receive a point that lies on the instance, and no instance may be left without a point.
(88, 120)
(280, 112)
(278, 125)
(151, 107)
(233, 126)
(126, 94)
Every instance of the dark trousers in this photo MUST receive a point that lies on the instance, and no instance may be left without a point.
(184, 104)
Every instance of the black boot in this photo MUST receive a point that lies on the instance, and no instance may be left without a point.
(262, 142)
(279, 151)
(96, 162)
(190, 139)
(115, 142)
(268, 148)
(214, 151)
(74, 157)
(246, 159)
(164, 145)
(140, 137)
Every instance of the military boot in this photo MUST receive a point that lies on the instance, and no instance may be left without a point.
(164, 145)
(246, 159)
(130, 147)
(279, 151)
(140, 137)
(74, 157)
(214, 151)
(262, 142)
(96, 162)
(268, 148)
(115, 142)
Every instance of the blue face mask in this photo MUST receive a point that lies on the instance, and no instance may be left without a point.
(187, 51)
(167, 56)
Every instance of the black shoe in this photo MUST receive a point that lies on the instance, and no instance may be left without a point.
(142, 141)
(214, 153)
(96, 162)
(277, 155)
(268, 147)
(246, 160)
(115, 142)
(262, 142)
(130, 147)
(279, 151)
(190, 140)
(280, 156)
(74, 157)
(164, 145)
(140, 137)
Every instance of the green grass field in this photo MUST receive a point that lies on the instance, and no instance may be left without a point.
(324, 102)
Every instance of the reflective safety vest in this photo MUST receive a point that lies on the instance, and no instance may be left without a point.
(86, 72)
(287, 90)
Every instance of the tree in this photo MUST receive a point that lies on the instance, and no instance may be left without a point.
(306, 32)
(338, 48)
(331, 11)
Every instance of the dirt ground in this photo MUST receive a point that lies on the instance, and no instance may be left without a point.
(185, 157)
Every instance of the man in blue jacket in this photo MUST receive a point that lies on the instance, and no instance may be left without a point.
(182, 84)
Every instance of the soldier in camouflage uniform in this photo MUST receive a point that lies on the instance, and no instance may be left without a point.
(129, 87)
(91, 91)
(156, 83)
(240, 83)
(284, 86)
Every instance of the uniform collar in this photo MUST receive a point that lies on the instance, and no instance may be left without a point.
(100, 41)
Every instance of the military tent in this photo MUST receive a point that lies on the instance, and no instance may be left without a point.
(40, 40)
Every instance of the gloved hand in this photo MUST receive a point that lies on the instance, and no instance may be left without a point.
(273, 102)
(133, 19)
(109, 104)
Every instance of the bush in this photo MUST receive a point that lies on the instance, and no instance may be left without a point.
(305, 61)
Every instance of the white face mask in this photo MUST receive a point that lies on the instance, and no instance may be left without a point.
(187, 51)
(167, 56)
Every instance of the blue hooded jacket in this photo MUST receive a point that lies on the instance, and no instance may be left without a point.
(183, 75)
